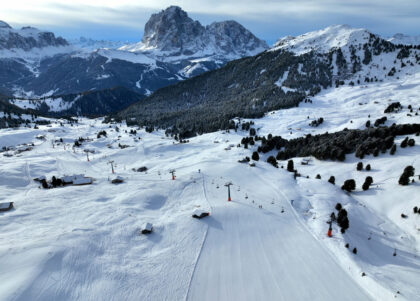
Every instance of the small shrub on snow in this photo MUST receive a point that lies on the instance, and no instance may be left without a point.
(101, 133)
(255, 156)
(338, 207)
(318, 176)
(342, 219)
(404, 143)
(405, 177)
(367, 183)
(355, 251)
(332, 180)
(359, 166)
(410, 142)
(395, 106)
(349, 185)
(272, 161)
(393, 149)
(368, 168)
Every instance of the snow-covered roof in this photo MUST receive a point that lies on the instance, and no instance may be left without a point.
(148, 227)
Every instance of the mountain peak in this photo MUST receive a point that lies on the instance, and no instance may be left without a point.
(173, 9)
(28, 38)
(172, 34)
(403, 39)
(171, 30)
(4, 25)
(335, 36)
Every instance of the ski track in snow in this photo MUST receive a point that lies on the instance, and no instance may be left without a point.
(248, 253)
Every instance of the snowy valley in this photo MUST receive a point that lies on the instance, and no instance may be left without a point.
(284, 173)
(84, 242)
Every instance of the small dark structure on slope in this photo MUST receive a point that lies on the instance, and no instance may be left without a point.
(6, 206)
(147, 228)
(117, 180)
(200, 214)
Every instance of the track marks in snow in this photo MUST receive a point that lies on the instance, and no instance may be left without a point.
(254, 254)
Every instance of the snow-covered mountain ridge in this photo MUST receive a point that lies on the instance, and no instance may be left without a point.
(403, 39)
(184, 49)
(92, 44)
(281, 77)
(20, 42)
(337, 36)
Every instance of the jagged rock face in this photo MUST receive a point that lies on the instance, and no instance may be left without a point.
(27, 38)
(232, 37)
(173, 31)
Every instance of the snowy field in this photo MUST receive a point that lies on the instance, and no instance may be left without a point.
(83, 242)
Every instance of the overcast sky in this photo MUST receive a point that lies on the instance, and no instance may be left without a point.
(124, 19)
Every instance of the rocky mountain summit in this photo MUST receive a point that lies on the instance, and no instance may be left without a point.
(172, 35)
(27, 38)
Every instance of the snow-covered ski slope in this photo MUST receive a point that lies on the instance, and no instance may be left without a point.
(83, 242)
(256, 254)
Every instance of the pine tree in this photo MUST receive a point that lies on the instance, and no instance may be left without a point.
(255, 156)
(290, 166)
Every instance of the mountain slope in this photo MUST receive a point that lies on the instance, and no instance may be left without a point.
(243, 241)
(281, 77)
(27, 38)
(91, 103)
(36, 64)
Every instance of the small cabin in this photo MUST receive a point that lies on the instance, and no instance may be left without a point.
(117, 180)
(6, 206)
(147, 228)
(200, 213)
(305, 161)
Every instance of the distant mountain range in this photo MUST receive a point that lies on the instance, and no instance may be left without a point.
(225, 71)
(403, 39)
(36, 64)
(294, 69)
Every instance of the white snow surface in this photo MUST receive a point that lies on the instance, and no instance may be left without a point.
(208, 52)
(83, 242)
(336, 36)
(55, 104)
